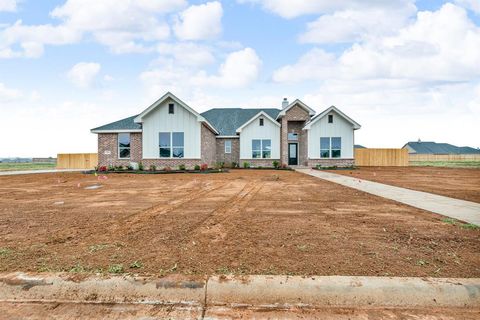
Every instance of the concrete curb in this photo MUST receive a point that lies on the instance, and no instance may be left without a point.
(272, 292)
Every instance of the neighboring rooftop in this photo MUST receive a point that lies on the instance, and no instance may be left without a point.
(430, 147)
(359, 146)
(124, 124)
(228, 120)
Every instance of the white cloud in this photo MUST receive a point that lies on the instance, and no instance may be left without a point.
(8, 94)
(291, 9)
(473, 5)
(8, 5)
(199, 22)
(439, 46)
(123, 26)
(83, 74)
(187, 53)
(239, 70)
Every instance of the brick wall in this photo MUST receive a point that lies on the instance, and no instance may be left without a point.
(296, 127)
(299, 116)
(258, 162)
(331, 162)
(228, 158)
(108, 142)
(209, 146)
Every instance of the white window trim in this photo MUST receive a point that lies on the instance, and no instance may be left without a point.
(171, 145)
(330, 149)
(229, 147)
(261, 149)
(129, 148)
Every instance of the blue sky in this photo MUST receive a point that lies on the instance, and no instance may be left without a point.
(403, 69)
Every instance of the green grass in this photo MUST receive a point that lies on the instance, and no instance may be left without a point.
(450, 164)
(26, 166)
(455, 222)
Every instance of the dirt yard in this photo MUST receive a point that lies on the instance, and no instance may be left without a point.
(460, 183)
(242, 222)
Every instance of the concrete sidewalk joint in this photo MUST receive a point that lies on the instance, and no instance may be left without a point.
(466, 211)
(266, 292)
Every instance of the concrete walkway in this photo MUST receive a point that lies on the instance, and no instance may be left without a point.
(459, 209)
(12, 173)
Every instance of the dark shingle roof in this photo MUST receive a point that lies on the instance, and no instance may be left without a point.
(359, 146)
(228, 120)
(124, 124)
(428, 147)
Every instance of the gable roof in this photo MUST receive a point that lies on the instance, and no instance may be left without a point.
(310, 111)
(324, 113)
(261, 113)
(171, 96)
(228, 120)
(430, 147)
(124, 125)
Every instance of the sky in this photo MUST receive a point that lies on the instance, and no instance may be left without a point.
(405, 70)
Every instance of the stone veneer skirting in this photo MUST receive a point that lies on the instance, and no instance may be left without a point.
(331, 162)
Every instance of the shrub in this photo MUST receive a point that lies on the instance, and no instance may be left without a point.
(116, 268)
(118, 168)
(167, 168)
(197, 167)
(276, 164)
(111, 168)
(246, 165)
(129, 168)
(181, 167)
(153, 167)
(140, 166)
(102, 168)
(234, 164)
(220, 165)
(204, 167)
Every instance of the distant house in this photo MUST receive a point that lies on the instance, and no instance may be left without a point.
(171, 133)
(429, 147)
(359, 146)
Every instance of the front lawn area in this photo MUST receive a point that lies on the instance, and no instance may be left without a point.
(26, 166)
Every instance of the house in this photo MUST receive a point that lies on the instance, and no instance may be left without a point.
(429, 147)
(170, 133)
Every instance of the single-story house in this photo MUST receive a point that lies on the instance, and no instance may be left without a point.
(170, 133)
(429, 147)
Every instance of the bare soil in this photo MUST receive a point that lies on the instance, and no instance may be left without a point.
(459, 183)
(242, 222)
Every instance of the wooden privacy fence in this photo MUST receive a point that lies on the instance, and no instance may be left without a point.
(444, 157)
(77, 160)
(381, 157)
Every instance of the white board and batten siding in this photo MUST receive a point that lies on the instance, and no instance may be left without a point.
(339, 128)
(254, 131)
(159, 120)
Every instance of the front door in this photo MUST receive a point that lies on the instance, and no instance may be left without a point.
(293, 154)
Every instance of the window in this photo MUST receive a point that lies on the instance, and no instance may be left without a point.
(177, 142)
(324, 147)
(261, 149)
(171, 144)
(336, 147)
(293, 136)
(164, 144)
(171, 107)
(331, 147)
(228, 146)
(330, 118)
(124, 145)
(261, 122)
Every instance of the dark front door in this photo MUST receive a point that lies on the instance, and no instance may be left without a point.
(292, 154)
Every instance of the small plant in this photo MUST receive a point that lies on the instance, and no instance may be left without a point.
(115, 268)
(111, 168)
(4, 252)
(421, 262)
(234, 164)
(78, 268)
(97, 247)
(167, 168)
(220, 165)
(153, 167)
(204, 167)
(450, 221)
(470, 226)
(181, 167)
(276, 164)
(136, 265)
(130, 168)
(140, 166)
(102, 169)
(246, 165)
(197, 167)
